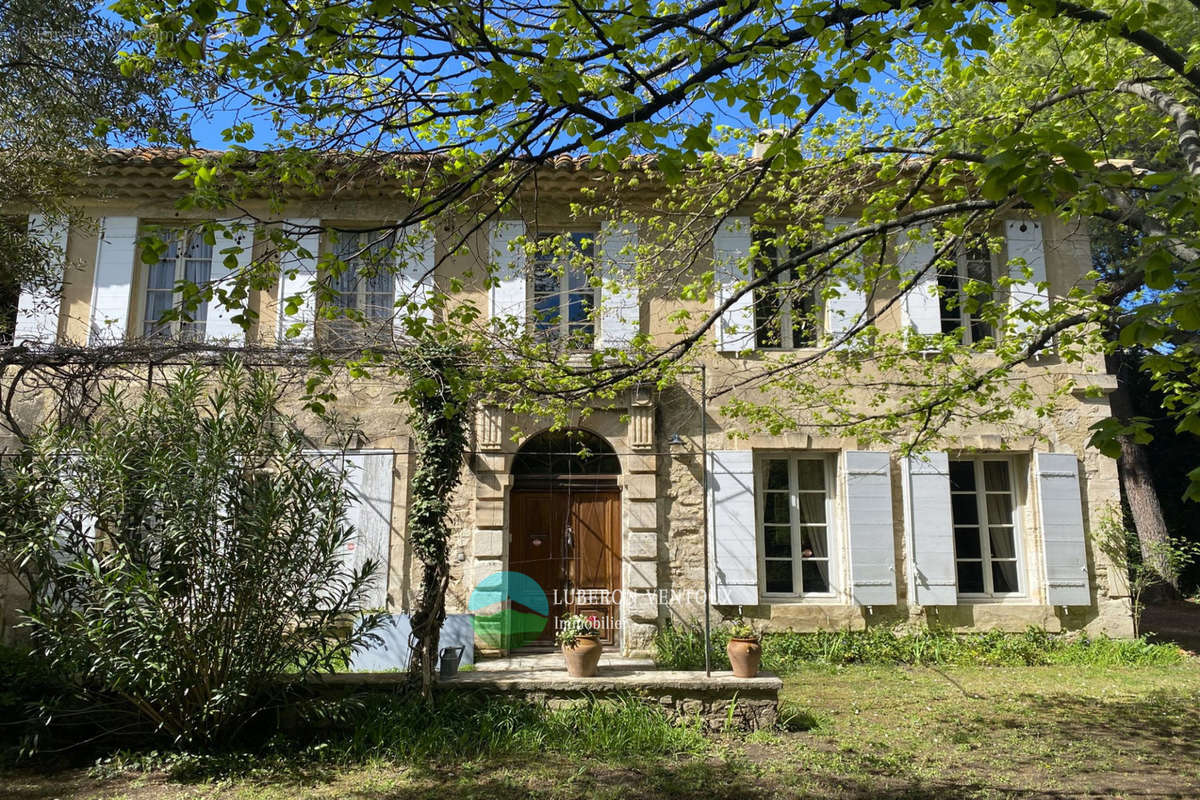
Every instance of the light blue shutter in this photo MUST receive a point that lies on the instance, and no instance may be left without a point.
(848, 306)
(37, 308)
(731, 265)
(414, 274)
(219, 326)
(733, 546)
(298, 274)
(1023, 240)
(1060, 508)
(869, 514)
(619, 303)
(113, 281)
(927, 488)
(369, 481)
(921, 308)
(507, 255)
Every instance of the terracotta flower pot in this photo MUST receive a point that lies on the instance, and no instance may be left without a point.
(583, 657)
(744, 656)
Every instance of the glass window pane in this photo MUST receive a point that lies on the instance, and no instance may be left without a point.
(767, 322)
(804, 324)
(1002, 543)
(999, 509)
(962, 476)
(779, 576)
(775, 508)
(580, 306)
(777, 473)
(812, 508)
(966, 543)
(965, 509)
(970, 577)
(811, 474)
(813, 543)
(995, 476)
(162, 275)
(777, 541)
(815, 575)
(1004, 577)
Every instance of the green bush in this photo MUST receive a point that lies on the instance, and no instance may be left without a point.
(681, 647)
(181, 557)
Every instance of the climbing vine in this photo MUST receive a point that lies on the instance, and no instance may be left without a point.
(439, 390)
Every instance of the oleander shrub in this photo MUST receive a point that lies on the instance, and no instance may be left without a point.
(182, 558)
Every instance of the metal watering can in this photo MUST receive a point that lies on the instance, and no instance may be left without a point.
(449, 658)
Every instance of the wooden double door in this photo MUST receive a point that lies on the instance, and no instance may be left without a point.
(569, 542)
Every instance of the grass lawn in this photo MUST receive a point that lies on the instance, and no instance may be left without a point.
(873, 732)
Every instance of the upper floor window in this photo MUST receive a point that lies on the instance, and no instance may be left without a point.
(364, 292)
(187, 258)
(563, 295)
(983, 509)
(966, 286)
(784, 316)
(794, 534)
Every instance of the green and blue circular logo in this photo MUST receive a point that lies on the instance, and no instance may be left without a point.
(510, 609)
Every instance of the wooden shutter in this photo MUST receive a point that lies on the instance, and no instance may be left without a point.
(731, 263)
(219, 325)
(507, 297)
(115, 255)
(1023, 240)
(869, 514)
(1060, 508)
(849, 306)
(733, 548)
(38, 309)
(298, 275)
(369, 480)
(927, 490)
(921, 309)
(619, 303)
(414, 274)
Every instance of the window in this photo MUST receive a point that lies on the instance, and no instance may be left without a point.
(983, 507)
(563, 295)
(187, 258)
(364, 291)
(784, 317)
(795, 532)
(965, 287)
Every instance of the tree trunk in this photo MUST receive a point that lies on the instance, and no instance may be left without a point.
(1137, 483)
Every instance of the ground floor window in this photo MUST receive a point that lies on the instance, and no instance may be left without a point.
(795, 527)
(983, 507)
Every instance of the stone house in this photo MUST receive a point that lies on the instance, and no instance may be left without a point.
(804, 531)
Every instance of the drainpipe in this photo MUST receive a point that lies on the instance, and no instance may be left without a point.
(704, 484)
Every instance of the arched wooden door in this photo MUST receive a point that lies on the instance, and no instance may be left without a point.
(565, 531)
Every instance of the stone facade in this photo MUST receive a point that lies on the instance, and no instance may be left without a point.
(659, 440)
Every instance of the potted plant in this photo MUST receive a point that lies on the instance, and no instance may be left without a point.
(745, 652)
(580, 640)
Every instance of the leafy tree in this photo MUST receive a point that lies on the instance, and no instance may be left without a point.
(65, 99)
(1029, 106)
(183, 559)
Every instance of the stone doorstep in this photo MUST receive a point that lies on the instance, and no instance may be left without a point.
(614, 679)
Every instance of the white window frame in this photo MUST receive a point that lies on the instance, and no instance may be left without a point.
(562, 330)
(783, 322)
(833, 541)
(173, 329)
(347, 326)
(1016, 494)
(962, 276)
